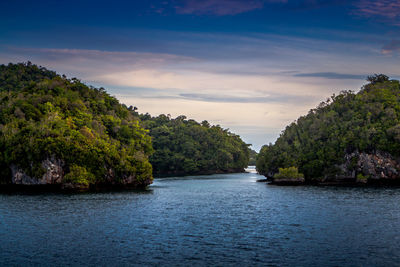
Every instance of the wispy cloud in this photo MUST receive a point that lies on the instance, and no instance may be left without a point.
(386, 9)
(392, 46)
(86, 56)
(315, 4)
(332, 75)
(233, 7)
(221, 7)
(245, 99)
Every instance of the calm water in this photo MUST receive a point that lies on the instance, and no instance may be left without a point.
(210, 220)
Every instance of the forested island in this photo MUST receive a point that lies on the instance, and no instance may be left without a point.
(351, 138)
(61, 133)
(186, 147)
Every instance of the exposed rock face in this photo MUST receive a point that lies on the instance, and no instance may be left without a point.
(53, 175)
(376, 166)
(20, 177)
(54, 171)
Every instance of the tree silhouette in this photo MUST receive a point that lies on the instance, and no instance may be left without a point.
(377, 78)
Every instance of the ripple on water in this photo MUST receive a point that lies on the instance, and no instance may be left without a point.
(204, 220)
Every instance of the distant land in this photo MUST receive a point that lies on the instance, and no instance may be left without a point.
(186, 147)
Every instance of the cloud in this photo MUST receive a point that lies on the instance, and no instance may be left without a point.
(387, 9)
(214, 98)
(243, 99)
(86, 57)
(226, 98)
(316, 4)
(221, 7)
(332, 75)
(233, 7)
(88, 65)
(393, 46)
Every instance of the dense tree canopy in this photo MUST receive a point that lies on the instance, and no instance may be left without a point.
(253, 157)
(368, 121)
(377, 78)
(187, 147)
(44, 115)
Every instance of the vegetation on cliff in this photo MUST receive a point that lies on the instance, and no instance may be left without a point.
(343, 136)
(185, 147)
(88, 134)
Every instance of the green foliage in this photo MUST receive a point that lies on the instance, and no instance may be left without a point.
(44, 115)
(79, 175)
(361, 177)
(253, 157)
(377, 78)
(366, 122)
(184, 147)
(288, 173)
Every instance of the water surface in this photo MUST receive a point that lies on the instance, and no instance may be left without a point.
(206, 220)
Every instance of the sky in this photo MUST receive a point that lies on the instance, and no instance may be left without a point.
(252, 66)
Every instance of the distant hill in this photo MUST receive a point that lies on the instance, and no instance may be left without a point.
(350, 137)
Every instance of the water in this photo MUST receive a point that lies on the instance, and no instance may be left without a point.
(214, 220)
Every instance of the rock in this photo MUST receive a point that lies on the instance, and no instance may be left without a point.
(374, 166)
(20, 177)
(54, 174)
(55, 170)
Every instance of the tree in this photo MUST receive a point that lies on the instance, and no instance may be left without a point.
(377, 78)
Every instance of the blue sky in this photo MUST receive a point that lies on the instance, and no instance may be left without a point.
(251, 66)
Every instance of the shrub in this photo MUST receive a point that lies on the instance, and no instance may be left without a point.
(361, 177)
(288, 173)
(79, 175)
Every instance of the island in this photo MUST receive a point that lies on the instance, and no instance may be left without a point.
(352, 138)
(186, 147)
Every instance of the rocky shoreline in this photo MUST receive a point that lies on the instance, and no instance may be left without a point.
(53, 180)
